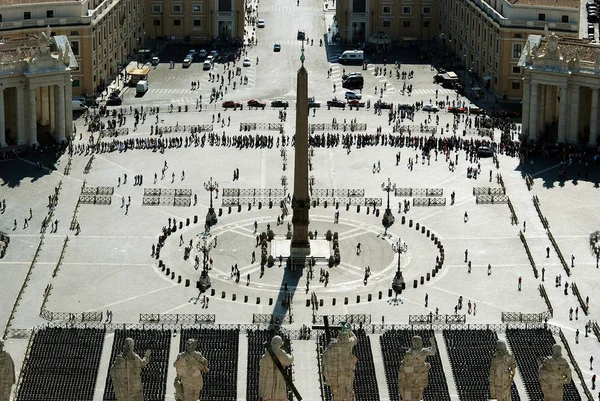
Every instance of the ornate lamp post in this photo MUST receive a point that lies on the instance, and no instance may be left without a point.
(388, 217)
(211, 217)
(398, 282)
(204, 281)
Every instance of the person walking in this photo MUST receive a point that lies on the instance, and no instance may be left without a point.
(520, 280)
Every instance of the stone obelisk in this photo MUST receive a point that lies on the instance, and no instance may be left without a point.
(301, 201)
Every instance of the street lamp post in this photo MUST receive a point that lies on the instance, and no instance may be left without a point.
(211, 217)
(398, 282)
(204, 281)
(388, 217)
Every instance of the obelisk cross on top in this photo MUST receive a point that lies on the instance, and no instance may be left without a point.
(301, 200)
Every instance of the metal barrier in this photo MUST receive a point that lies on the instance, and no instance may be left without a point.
(350, 193)
(427, 129)
(488, 191)
(185, 128)
(432, 318)
(558, 252)
(429, 201)
(163, 201)
(265, 318)
(337, 127)
(177, 318)
(249, 201)
(491, 199)
(529, 256)
(524, 317)
(95, 199)
(418, 192)
(575, 365)
(85, 190)
(536, 203)
(246, 192)
(349, 318)
(544, 295)
(584, 305)
(261, 127)
(113, 132)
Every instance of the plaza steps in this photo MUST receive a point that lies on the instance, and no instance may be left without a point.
(306, 380)
(379, 370)
(105, 363)
(443, 352)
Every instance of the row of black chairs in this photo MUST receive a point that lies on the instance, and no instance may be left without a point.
(62, 365)
(256, 341)
(470, 353)
(394, 344)
(530, 347)
(154, 375)
(220, 347)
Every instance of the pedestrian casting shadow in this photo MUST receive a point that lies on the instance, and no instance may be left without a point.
(13, 172)
(547, 170)
(292, 279)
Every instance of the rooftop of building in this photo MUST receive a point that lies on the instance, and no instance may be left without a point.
(544, 3)
(587, 50)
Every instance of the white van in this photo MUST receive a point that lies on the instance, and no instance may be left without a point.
(207, 65)
(141, 88)
(78, 105)
(352, 57)
(187, 62)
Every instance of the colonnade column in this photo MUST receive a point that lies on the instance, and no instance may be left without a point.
(68, 110)
(541, 107)
(534, 110)
(594, 118)
(32, 116)
(526, 101)
(2, 122)
(549, 104)
(20, 106)
(574, 102)
(60, 113)
(562, 116)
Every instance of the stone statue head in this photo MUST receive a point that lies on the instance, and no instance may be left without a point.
(190, 345)
(276, 342)
(128, 346)
(501, 346)
(417, 343)
(556, 351)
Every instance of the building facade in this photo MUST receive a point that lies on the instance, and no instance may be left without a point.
(198, 21)
(35, 90)
(488, 35)
(560, 89)
(102, 33)
(407, 21)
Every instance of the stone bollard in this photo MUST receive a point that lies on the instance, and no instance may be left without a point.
(172, 275)
(259, 205)
(417, 225)
(358, 299)
(212, 292)
(345, 300)
(357, 208)
(195, 219)
(239, 208)
(428, 277)
(368, 211)
(321, 302)
(187, 282)
(422, 280)
(249, 206)
(337, 205)
(257, 300)
(422, 229)
(380, 294)
(333, 302)
(168, 271)
(390, 292)
(178, 279)
(270, 301)
(220, 211)
(369, 298)
(233, 297)
(377, 213)
(433, 272)
(187, 221)
(428, 233)
(245, 299)
(347, 206)
(180, 225)
(410, 223)
(415, 284)
(307, 303)
(222, 294)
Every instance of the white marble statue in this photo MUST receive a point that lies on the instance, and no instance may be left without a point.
(189, 366)
(502, 371)
(7, 373)
(554, 374)
(339, 364)
(413, 375)
(271, 383)
(126, 373)
(44, 42)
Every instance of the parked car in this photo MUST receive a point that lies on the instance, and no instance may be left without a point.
(256, 103)
(383, 105)
(277, 47)
(279, 103)
(456, 110)
(406, 107)
(246, 62)
(335, 102)
(431, 107)
(476, 110)
(352, 74)
(260, 23)
(355, 103)
(228, 104)
(114, 101)
(202, 53)
(484, 151)
(352, 95)
(313, 103)
(155, 61)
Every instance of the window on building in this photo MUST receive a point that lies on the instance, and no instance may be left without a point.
(517, 48)
(386, 10)
(156, 22)
(406, 10)
(426, 10)
(74, 33)
(75, 47)
(516, 85)
(49, 13)
(518, 35)
(156, 8)
(542, 17)
(197, 8)
(0, 17)
(359, 6)
(405, 24)
(196, 22)
(565, 19)
(27, 15)
(516, 70)
(501, 9)
(75, 83)
(176, 22)
(225, 5)
(176, 8)
(386, 23)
